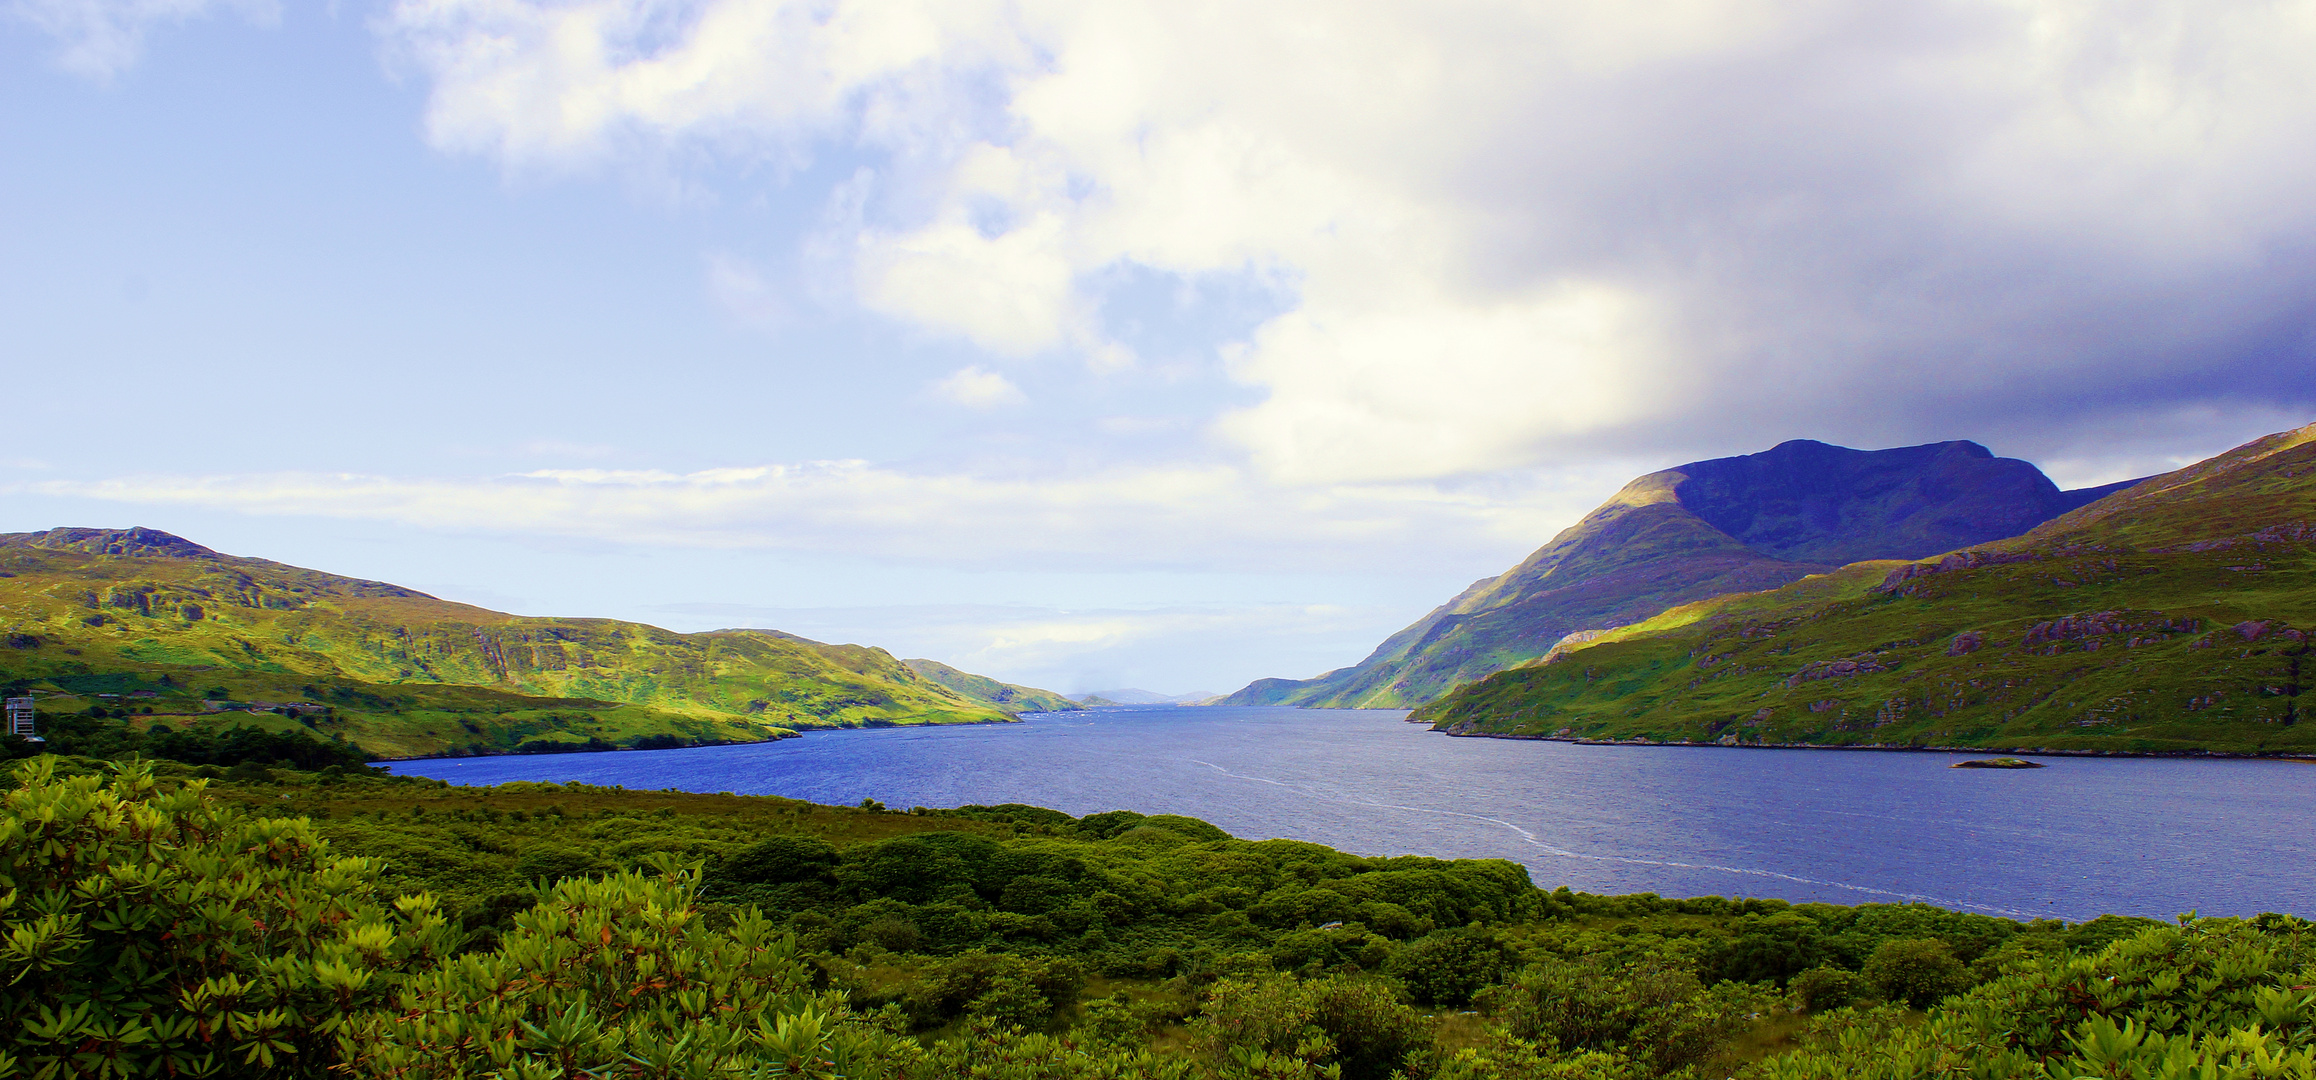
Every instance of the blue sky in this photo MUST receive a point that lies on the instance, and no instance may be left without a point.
(1164, 344)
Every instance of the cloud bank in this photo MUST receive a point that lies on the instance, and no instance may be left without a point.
(1512, 232)
(1145, 518)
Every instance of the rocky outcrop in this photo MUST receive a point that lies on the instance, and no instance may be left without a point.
(1960, 560)
(1834, 669)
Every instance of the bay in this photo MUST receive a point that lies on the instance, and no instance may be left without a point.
(2083, 837)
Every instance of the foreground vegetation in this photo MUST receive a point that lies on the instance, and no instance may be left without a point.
(169, 918)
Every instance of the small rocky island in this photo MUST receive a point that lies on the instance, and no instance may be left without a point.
(1997, 763)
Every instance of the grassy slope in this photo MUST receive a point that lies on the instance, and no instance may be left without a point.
(2166, 572)
(1002, 696)
(404, 673)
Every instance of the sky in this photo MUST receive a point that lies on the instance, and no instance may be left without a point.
(1160, 344)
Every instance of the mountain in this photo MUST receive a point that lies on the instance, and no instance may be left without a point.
(193, 636)
(1002, 696)
(2173, 615)
(1132, 696)
(1736, 524)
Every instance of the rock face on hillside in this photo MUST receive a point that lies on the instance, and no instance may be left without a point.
(1737, 524)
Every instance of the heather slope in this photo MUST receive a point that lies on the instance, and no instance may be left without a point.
(2169, 616)
(90, 611)
(1705, 529)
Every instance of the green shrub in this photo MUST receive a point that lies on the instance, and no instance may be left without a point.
(618, 977)
(548, 864)
(893, 933)
(1650, 1011)
(1824, 988)
(993, 1052)
(1356, 1025)
(1498, 1056)
(1114, 1022)
(1920, 973)
(2216, 998)
(778, 860)
(144, 931)
(1448, 967)
(1009, 989)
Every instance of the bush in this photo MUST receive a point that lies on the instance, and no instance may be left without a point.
(1116, 1022)
(1654, 1013)
(1919, 973)
(549, 864)
(1498, 1056)
(147, 932)
(1822, 988)
(1007, 989)
(619, 977)
(993, 1052)
(2214, 998)
(1357, 1025)
(778, 860)
(1448, 967)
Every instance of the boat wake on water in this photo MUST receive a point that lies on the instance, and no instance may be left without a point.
(1532, 840)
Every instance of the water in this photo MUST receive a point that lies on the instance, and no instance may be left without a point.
(2083, 837)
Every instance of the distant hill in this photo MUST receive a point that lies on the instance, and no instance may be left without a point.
(1131, 696)
(1737, 524)
(188, 635)
(1002, 696)
(2173, 615)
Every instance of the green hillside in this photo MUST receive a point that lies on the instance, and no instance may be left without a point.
(1002, 696)
(1704, 529)
(183, 635)
(2171, 616)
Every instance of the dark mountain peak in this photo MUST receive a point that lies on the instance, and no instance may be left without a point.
(136, 541)
(1809, 501)
(1725, 525)
(1813, 449)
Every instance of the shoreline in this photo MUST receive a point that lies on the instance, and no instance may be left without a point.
(792, 734)
(2301, 756)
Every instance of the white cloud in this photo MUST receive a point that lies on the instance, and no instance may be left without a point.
(1428, 385)
(1509, 226)
(102, 38)
(1211, 517)
(978, 387)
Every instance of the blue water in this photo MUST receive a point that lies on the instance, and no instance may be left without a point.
(2083, 837)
